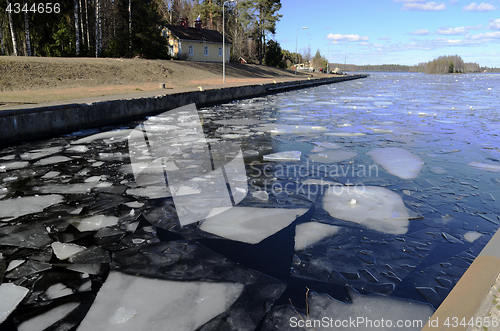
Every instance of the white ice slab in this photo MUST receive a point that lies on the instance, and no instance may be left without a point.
(376, 208)
(289, 129)
(307, 234)
(471, 236)
(134, 303)
(332, 156)
(51, 174)
(16, 207)
(485, 166)
(283, 156)
(53, 160)
(14, 264)
(95, 222)
(250, 224)
(13, 165)
(39, 153)
(327, 145)
(11, 295)
(57, 291)
(152, 192)
(64, 251)
(113, 136)
(398, 161)
(41, 322)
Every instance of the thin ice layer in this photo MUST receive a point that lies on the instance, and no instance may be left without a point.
(249, 224)
(95, 222)
(135, 303)
(485, 166)
(398, 161)
(11, 295)
(64, 251)
(376, 208)
(332, 156)
(283, 156)
(43, 321)
(307, 234)
(13, 208)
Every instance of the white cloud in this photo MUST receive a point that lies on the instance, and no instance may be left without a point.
(486, 36)
(495, 25)
(346, 37)
(481, 7)
(384, 38)
(422, 32)
(452, 31)
(428, 6)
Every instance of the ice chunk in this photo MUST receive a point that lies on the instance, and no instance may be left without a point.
(398, 161)
(51, 174)
(249, 224)
(11, 296)
(64, 251)
(261, 195)
(327, 145)
(437, 170)
(471, 236)
(67, 188)
(152, 192)
(13, 165)
(16, 207)
(288, 129)
(14, 264)
(39, 153)
(307, 234)
(332, 156)
(283, 156)
(78, 149)
(53, 160)
(113, 136)
(345, 134)
(57, 291)
(134, 204)
(485, 166)
(95, 222)
(43, 321)
(375, 207)
(135, 303)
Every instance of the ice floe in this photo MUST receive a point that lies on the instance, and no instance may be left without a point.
(307, 234)
(52, 160)
(136, 303)
(16, 207)
(250, 224)
(471, 236)
(95, 222)
(332, 156)
(398, 161)
(283, 156)
(11, 296)
(485, 166)
(376, 208)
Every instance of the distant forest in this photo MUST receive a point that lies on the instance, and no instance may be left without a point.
(441, 65)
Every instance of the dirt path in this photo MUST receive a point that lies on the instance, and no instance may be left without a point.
(32, 80)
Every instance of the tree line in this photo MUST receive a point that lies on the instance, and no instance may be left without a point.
(129, 28)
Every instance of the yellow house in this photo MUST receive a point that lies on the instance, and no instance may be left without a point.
(195, 44)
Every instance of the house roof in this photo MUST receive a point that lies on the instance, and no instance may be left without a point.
(196, 34)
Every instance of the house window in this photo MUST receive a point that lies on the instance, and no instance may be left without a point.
(220, 51)
(190, 50)
(205, 50)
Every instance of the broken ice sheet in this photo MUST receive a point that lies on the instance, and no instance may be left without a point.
(398, 161)
(249, 224)
(135, 303)
(95, 222)
(471, 236)
(307, 234)
(28, 235)
(64, 251)
(11, 296)
(332, 156)
(283, 156)
(40, 153)
(16, 207)
(368, 308)
(374, 207)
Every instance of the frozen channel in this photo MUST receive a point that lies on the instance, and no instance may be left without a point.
(367, 198)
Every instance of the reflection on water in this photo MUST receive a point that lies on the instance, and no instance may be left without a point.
(387, 185)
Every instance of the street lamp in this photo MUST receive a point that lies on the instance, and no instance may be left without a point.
(296, 34)
(223, 44)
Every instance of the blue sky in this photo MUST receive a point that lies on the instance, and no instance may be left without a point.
(393, 31)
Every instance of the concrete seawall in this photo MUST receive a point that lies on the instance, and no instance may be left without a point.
(36, 122)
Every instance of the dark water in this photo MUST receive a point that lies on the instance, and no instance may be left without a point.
(81, 189)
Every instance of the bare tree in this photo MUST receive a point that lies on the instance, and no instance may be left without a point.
(27, 44)
(87, 23)
(130, 25)
(2, 45)
(77, 29)
(98, 28)
(12, 31)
